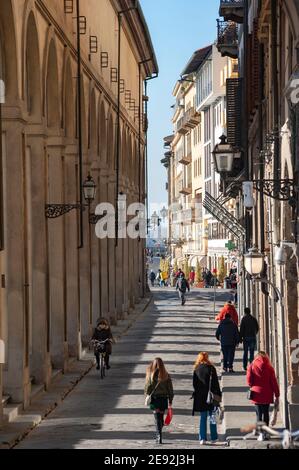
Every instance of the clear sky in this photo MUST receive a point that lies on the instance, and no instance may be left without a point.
(178, 28)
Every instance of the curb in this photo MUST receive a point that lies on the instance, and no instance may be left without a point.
(38, 418)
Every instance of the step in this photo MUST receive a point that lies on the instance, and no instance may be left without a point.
(12, 411)
(5, 400)
(56, 374)
(36, 390)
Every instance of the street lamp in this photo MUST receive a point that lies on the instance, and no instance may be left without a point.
(224, 155)
(254, 262)
(53, 211)
(164, 213)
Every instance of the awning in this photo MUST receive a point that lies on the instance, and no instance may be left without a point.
(224, 217)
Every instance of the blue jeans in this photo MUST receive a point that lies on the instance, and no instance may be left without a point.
(249, 345)
(203, 427)
(228, 356)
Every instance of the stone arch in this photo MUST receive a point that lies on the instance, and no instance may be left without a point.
(9, 52)
(111, 143)
(69, 107)
(32, 72)
(52, 101)
(102, 134)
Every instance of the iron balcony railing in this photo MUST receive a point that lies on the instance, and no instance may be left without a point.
(227, 42)
(188, 121)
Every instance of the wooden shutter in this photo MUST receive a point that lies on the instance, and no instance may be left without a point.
(234, 111)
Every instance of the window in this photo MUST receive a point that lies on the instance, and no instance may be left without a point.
(208, 172)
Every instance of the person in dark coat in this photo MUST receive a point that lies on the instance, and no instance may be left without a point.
(228, 334)
(158, 384)
(248, 331)
(102, 333)
(203, 371)
(152, 277)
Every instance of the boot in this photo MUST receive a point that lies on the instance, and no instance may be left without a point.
(160, 424)
(157, 421)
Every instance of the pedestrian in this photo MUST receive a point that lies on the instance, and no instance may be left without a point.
(103, 333)
(159, 277)
(228, 308)
(228, 334)
(248, 331)
(192, 277)
(152, 278)
(179, 273)
(263, 384)
(207, 277)
(204, 380)
(182, 285)
(158, 384)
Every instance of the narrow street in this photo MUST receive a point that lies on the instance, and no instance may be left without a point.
(110, 414)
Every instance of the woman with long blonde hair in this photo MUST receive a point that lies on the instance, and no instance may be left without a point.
(158, 384)
(205, 380)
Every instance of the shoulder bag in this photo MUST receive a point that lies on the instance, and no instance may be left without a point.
(213, 398)
(148, 398)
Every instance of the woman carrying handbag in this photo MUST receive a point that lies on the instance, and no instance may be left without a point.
(159, 394)
(207, 396)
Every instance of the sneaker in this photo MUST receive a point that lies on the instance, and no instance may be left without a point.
(261, 437)
(224, 371)
(215, 441)
(202, 443)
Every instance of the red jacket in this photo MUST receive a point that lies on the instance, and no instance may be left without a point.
(228, 309)
(262, 380)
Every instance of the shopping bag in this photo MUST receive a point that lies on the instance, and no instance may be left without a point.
(169, 417)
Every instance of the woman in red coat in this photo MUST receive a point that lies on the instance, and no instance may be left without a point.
(263, 383)
(228, 308)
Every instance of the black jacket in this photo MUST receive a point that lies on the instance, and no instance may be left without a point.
(249, 327)
(201, 382)
(228, 333)
(102, 335)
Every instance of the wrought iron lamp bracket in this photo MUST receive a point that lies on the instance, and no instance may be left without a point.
(282, 190)
(94, 218)
(53, 211)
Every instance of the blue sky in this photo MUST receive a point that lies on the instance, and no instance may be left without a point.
(178, 28)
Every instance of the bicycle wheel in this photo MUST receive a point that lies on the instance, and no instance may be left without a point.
(102, 366)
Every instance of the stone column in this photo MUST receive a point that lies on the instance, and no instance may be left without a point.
(38, 251)
(84, 284)
(56, 261)
(104, 252)
(112, 258)
(16, 378)
(72, 257)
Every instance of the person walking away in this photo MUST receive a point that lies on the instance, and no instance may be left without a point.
(263, 383)
(228, 334)
(159, 385)
(192, 277)
(152, 278)
(228, 308)
(208, 278)
(102, 333)
(204, 374)
(179, 273)
(182, 285)
(248, 331)
(159, 277)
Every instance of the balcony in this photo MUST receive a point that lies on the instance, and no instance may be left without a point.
(188, 121)
(232, 10)
(185, 159)
(188, 216)
(227, 43)
(186, 189)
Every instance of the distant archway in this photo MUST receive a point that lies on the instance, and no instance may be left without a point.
(52, 89)
(32, 75)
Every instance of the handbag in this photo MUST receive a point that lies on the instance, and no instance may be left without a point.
(169, 417)
(250, 394)
(148, 398)
(213, 398)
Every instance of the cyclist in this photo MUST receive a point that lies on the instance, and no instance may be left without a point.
(182, 285)
(103, 333)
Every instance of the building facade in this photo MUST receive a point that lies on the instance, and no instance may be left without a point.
(265, 99)
(64, 118)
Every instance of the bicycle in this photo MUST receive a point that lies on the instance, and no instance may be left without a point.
(99, 348)
(287, 437)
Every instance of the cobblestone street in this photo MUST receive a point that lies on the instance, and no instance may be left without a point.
(111, 413)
